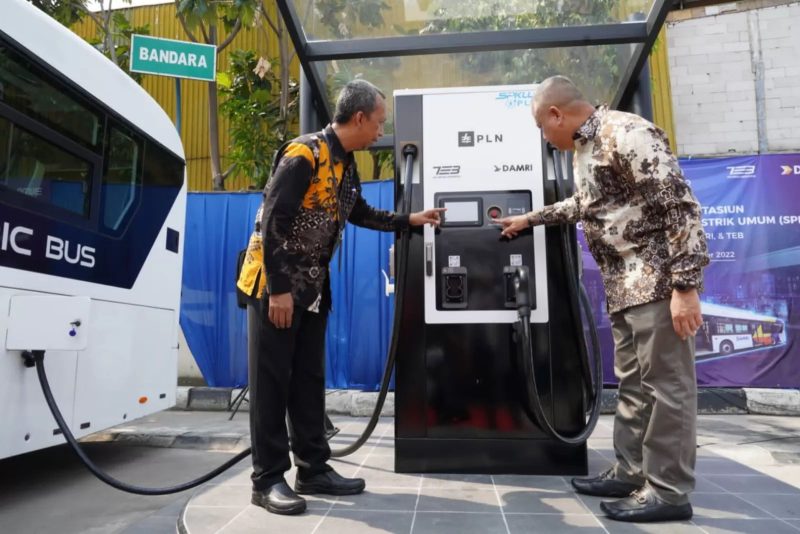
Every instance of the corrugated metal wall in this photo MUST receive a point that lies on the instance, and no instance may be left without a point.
(164, 23)
(660, 88)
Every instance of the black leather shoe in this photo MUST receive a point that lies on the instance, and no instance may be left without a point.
(279, 499)
(329, 483)
(643, 506)
(604, 485)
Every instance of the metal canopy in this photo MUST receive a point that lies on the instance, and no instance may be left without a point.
(601, 44)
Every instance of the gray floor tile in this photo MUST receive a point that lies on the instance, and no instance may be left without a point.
(617, 527)
(548, 524)
(745, 526)
(515, 482)
(751, 484)
(781, 506)
(255, 520)
(210, 520)
(456, 481)
(381, 478)
(357, 522)
(458, 523)
(703, 485)
(153, 525)
(591, 504)
(722, 466)
(542, 502)
(458, 500)
(222, 495)
(724, 506)
(376, 499)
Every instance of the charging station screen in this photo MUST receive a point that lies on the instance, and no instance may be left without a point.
(462, 212)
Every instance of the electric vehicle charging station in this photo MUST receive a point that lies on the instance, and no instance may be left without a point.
(460, 397)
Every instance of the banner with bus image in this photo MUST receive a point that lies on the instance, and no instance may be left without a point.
(751, 302)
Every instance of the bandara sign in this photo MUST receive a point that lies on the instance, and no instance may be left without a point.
(168, 57)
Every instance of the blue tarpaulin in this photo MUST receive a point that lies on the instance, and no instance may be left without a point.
(218, 226)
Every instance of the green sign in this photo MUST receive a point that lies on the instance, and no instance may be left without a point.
(167, 57)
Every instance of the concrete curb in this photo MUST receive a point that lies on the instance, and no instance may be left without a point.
(355, 403)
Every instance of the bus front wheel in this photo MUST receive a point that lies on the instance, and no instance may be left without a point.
(726, 347)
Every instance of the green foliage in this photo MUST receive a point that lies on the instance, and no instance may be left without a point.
(67, 12)
(258, 127)
(121, 31)
(595, 69)
(116, 34)
(340, 16)
(211, 12)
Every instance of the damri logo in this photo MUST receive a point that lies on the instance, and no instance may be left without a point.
(790, 169)
(470, 139)
(520, 167)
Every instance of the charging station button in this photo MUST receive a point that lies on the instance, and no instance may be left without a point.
(494, 212)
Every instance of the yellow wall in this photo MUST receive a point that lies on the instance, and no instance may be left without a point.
(163, 23)
(660, 88)
(194, 98)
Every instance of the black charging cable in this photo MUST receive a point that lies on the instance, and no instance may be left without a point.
(409, 153)
(577, 297)
(36, 358)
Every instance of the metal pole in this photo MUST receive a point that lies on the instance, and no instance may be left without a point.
(309, 118)
(178, 105)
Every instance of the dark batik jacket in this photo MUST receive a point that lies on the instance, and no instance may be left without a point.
(640, 218)
(299, 223)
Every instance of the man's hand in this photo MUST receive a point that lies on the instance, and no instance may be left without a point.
(281, 307)
(512, 225)
(430, 216)
(686, 315)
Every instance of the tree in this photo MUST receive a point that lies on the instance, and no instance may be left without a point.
(113, 30)
(213, 19)
(259, 110)
(343, 19)
(594, 68)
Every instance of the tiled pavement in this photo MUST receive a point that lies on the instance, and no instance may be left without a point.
(742, 486)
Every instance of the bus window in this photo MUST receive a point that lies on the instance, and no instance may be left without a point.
(36, 168)
(161, 168)
(724, 328)
(122, 176)
(24, 87)
(742, 328)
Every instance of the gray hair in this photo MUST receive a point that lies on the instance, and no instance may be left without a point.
(557, 91)
(357, 95)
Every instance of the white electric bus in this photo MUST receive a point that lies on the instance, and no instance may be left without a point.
(727, 329)
(92, 213)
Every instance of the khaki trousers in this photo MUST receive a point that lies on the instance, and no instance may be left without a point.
(655, 437)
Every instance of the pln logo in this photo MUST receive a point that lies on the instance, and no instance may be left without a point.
(741, 171)
(470, 139)
(790, 169)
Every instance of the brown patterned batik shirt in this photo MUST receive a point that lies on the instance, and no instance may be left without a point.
(314, 190)
(640, 218)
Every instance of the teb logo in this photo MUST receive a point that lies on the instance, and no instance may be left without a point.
(741, 171)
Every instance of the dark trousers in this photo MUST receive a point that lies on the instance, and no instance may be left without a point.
(286, 375)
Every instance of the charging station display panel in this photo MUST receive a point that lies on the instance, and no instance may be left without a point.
(481, 165)
(461, 212)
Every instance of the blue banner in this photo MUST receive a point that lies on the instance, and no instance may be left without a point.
(218, 226)
(751, 303)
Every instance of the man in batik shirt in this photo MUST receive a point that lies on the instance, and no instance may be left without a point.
(313, 191)
(642, 224)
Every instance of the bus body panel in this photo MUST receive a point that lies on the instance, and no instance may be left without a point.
(129, 368)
